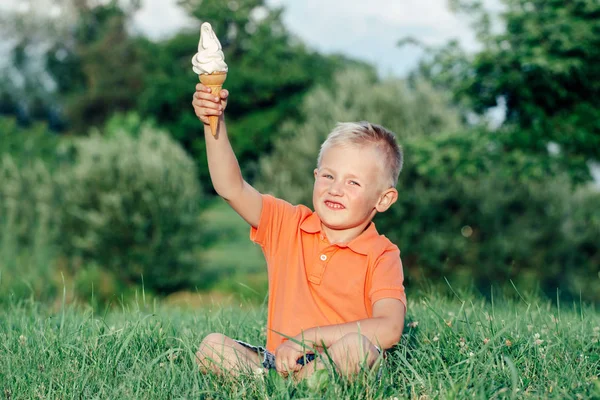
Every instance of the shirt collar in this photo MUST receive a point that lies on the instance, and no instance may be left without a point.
(362, 244)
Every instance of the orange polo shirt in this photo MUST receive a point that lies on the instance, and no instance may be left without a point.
(315, 283)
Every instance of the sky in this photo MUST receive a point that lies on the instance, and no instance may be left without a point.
(364, 29)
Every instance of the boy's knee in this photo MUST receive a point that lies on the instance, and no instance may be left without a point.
(208, 348)
(214, 339)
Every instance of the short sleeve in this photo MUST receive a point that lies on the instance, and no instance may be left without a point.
(387, 279)
(277, 218)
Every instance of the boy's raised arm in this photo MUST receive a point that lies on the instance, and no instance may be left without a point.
(225, 172)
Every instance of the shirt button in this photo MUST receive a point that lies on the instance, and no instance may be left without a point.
(323, 257)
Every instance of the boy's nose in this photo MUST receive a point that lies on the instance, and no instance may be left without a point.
(335, 189)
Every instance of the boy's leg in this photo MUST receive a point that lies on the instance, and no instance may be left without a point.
(349, 354)
(221, 354)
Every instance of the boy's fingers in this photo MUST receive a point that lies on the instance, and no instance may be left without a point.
(201, 88)
(206, 96)
(207, 104)
(210, 104)
(224, 93)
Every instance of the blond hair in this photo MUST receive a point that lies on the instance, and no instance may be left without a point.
(364, 133)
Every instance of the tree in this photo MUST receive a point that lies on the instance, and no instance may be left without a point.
(543, 66)
(98, 69)
(72, 64)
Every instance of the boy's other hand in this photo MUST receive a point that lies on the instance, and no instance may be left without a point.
(286, 357)
(206, 104)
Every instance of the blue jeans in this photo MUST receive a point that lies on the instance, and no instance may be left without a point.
(268, 361)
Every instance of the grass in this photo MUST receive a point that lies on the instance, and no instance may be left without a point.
(452, 348)
(233, 262)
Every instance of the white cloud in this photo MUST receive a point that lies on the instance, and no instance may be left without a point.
(161, 18)
(370, 29)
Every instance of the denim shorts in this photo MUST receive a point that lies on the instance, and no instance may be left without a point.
(268, 361)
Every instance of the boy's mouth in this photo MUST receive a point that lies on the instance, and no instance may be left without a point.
(334, 205)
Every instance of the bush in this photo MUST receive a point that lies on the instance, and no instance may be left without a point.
(32, 144)
(27, 199)
(131, 204)
(28, 196)
(579, 253)
(469, 208)
(29, 223)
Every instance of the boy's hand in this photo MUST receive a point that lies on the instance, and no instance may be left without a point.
(206, 104)
(286, 357)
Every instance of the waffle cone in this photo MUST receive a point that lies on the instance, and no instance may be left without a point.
(213, 81)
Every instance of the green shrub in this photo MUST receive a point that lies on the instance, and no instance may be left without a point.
(27, 200)
(131, 204)
(29, 221)
(469, 208)
(30, 145)
(579, 253)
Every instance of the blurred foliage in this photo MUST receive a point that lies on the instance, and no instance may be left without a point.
(28, 194)
(541, 65)
(468, 207)
(28, 146)
(27, 197)
(29, 223)
(73, 63)
(580, 252)
(131, 204)
(97, 68)
(410, 110)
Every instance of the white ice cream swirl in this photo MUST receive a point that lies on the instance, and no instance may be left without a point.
(210, 57)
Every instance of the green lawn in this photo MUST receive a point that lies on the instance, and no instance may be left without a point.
(452, 348)
(234, 263)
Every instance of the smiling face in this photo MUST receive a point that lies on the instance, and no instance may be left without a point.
(350, 188)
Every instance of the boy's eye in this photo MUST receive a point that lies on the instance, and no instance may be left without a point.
(354, 183)
(327, 176)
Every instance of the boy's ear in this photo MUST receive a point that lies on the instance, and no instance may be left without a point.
(315, 172)
(387, 198)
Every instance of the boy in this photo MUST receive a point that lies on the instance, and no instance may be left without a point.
(335, 284)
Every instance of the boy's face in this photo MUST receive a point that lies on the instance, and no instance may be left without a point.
(351, 186)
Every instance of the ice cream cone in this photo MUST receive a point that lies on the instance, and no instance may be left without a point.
(215, 82)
